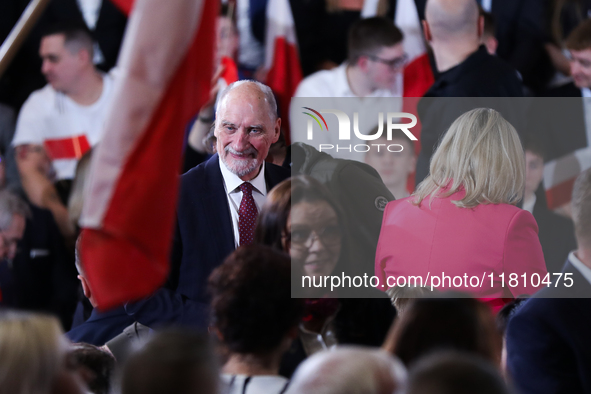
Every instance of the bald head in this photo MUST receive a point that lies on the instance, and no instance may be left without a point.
(254, 89)
(349, 370)
(245, 127)
(452, 19)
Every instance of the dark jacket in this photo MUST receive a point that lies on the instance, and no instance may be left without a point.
(204, 237)
(474, 83)
(548, 341)
(101, 327)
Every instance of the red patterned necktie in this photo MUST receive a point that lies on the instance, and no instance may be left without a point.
(247, 215)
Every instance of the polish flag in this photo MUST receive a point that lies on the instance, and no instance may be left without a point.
(560, 175)
(165, 67)
(282, 60)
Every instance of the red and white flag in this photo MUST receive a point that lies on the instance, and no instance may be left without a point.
(560, 175)
(282, 60)
(164, 71)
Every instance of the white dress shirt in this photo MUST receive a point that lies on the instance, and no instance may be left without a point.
(529, 204)
(583, 269)
(334, 83)
(232, 186)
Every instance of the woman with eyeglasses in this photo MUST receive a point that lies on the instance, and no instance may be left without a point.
(303, 218)
(462, 222)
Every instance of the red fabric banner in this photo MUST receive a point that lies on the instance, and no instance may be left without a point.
(126, 257)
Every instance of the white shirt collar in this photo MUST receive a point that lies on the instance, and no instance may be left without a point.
(343, 81)
(233, 181)
(586, 92)
(528, 205)
(583, 269)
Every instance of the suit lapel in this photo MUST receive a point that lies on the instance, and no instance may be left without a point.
(216, 209)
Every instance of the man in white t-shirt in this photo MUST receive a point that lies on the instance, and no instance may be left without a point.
(373, 68)
(370, 80)
(65, 118)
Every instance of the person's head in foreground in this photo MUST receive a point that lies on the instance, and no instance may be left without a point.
(444, 323)
(35, 356)
(253, 313)
(302, 218)
(246, 125)
(455, 373)
(578, 43)
(349, 370)
(481, 154)
(99, 366)
(393, 166)
(173, 361)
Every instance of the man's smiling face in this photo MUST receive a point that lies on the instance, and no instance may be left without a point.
(245, 129)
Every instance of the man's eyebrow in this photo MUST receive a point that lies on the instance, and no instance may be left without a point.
(227, 123)
(256, 126)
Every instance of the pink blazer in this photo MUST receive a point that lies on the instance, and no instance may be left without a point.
(447, 241)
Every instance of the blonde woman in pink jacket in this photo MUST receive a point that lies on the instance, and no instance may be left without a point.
(461, 229)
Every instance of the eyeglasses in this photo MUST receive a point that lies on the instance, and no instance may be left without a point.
(395, 63)
(303, 238)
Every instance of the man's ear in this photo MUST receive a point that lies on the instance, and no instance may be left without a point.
(362, 63)
(277, 130)
(480, 26)
(85, 287)
(214, 330)
(426, 31)
(84, 56)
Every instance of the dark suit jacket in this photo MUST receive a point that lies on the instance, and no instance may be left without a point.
(479, 81)
(44, 270)
(548, 341)
(204, 237)
(101, 327)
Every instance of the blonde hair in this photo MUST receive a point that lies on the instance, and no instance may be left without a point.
(481, 153)
(32, 351)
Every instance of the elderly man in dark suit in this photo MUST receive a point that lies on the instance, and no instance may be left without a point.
(218, 204)
(548, 341)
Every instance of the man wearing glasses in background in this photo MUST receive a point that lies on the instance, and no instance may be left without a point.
(371, 79)
(373, 68)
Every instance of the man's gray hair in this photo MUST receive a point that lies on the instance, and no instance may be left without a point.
(11, 205)
(269, 96)
(581, 208)
(349, 370)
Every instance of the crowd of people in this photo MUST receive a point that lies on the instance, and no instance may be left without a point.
(460, 262)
